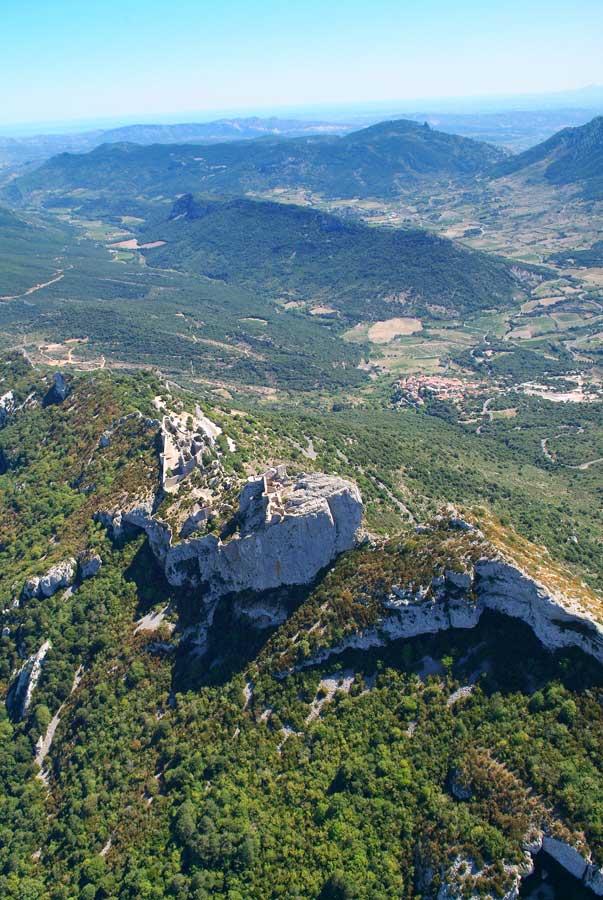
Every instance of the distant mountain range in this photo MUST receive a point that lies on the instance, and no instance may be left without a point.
(515, 129)
(373, 162)
(35, 148)
(573, 155)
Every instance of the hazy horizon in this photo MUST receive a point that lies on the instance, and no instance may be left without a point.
(116, 64)
(588, 97)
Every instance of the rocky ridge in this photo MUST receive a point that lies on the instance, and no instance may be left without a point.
(299, 521)
(284, 532)
(460, 880)
(463, 874)
(484, 576)
(21, 693)
(62, 575)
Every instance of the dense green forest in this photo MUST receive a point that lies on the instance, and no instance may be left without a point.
(294, 253)
(232, 776)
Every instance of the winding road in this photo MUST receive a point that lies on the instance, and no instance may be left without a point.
(60, 273)
(486, 411)
(581, 467)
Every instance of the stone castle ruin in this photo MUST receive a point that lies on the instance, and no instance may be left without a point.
(182, 450)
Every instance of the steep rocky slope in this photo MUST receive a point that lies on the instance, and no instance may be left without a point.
(455, 574)
(442, 686)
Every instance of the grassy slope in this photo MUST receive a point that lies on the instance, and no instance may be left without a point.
(29, 252)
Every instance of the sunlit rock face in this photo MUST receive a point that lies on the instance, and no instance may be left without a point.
(287, 530)
(58, 576)
(457, 599)
(20, 695)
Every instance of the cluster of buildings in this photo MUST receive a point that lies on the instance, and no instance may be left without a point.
(414, 390)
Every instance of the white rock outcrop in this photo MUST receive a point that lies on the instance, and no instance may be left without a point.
(20, 695)
(58, 576)
(574, 860)
(559, 621)
(89, 564)
(567, 856)
(31, 588)
(460, 880)
(7, 406)
(301, 533)
(289, 529)
(458, 599)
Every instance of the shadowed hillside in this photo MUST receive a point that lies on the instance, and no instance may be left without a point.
(572, 156)
(359, 272)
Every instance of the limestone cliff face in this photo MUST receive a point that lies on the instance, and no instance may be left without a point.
(458, 599)
(21, 692)
(58, 576)
(61, 575)
(7, 406)
(460, 881)
(288, 530)
(558, 620)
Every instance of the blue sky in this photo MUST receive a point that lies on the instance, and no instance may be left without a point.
(90, 59)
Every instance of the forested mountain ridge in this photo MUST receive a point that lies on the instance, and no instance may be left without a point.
(299, 254)
(374, 161)
(170, 774)
(572, 156)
